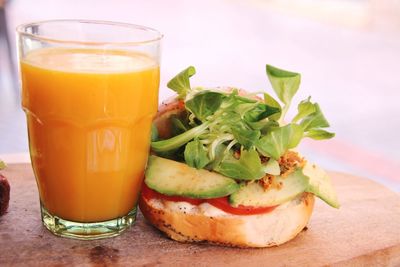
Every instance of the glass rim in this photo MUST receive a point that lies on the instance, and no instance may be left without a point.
(21, 31)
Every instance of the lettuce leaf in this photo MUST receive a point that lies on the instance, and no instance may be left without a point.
(270, 101)
(219, 124)
(179, 140)
(319, 134)
(181, 83)
(279, 140)
(304, 108)
(245, 136)
(285, 83)
(204, 104)
(247, 167)
(314, 120)
(196, 155)
(2, 164)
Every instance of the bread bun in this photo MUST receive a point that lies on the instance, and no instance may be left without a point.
(185, 222)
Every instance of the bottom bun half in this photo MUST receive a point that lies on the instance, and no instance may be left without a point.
(184, 222)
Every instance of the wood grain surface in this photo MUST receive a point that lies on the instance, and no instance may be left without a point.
(365, 231)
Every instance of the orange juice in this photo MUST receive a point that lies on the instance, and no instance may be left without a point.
(89, 116)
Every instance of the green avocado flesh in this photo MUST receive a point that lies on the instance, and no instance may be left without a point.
(173, 178)
(319, 183)
(310, 179)
(253, 194)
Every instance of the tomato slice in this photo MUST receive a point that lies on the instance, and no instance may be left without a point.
(221, 203)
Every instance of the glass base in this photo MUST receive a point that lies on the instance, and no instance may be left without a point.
(87, 231)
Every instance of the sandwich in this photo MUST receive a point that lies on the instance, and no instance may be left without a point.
(224, 168)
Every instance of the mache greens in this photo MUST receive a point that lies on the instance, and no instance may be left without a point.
(230, 132)
(2, 164)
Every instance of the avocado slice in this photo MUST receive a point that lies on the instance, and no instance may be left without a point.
(319, 183)
(253, 194)
(310, 179)
(173, 178)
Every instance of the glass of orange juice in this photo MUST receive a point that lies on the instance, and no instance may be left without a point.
(90, 92)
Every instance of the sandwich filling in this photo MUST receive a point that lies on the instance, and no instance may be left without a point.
(233, 150)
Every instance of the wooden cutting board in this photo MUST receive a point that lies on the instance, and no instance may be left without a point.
(365, 231)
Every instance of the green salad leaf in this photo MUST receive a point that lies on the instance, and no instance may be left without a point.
(285, 83)
(265, 126)
(245, 135)
(178, 126)
(196, 155)
(204, 104)
(247, 167)
(270, 101)
(219, 152)
(230, 133)
(304, 108)
(181, 83)
(279, 140)
(314, 120)
(2, 164)
(319, 134)
(260, 111)
(179, 140)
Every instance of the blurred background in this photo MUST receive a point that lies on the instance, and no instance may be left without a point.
(348, 52)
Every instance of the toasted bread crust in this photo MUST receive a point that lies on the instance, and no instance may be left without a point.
(263, 230)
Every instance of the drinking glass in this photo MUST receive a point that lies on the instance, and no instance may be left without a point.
(90, 92)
